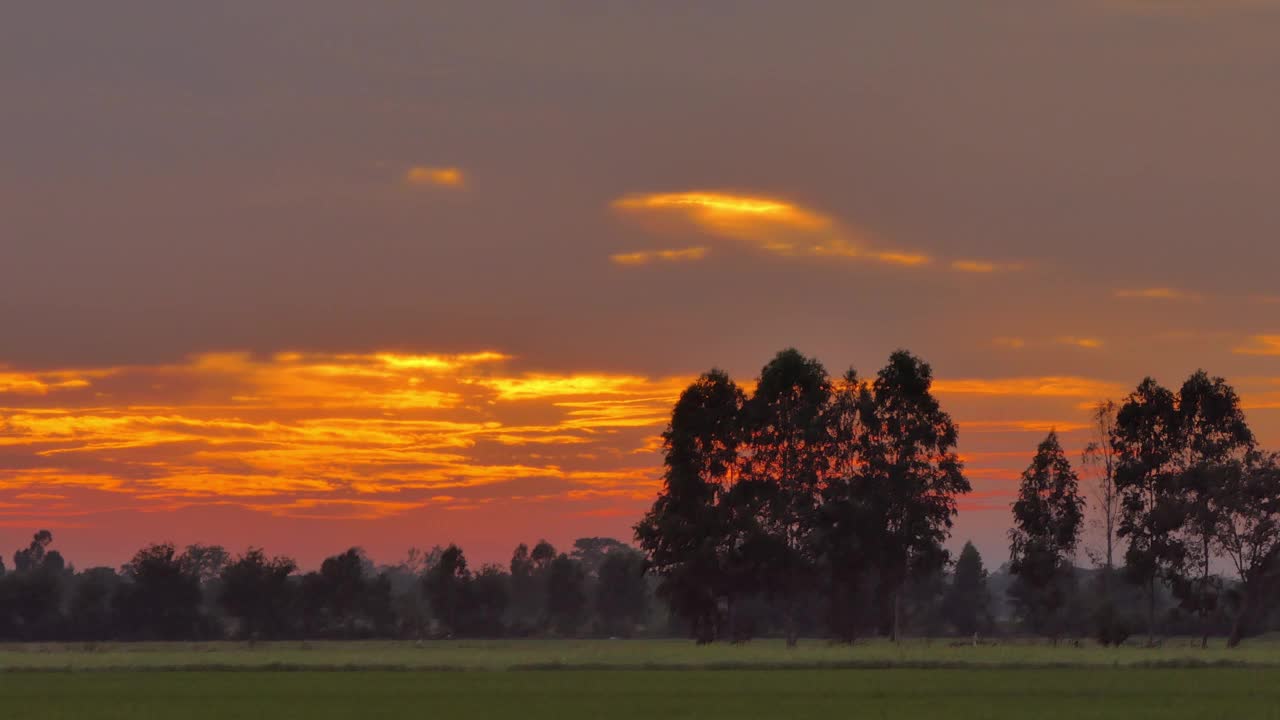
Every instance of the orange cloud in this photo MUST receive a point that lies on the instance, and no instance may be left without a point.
(448, 177)
(1011, 343)
(983, 266)
(1086, 343)
(1157, 293)
(1260, 345)
(1050, 386)
(321, 435)
(771, 225)
(645, 257)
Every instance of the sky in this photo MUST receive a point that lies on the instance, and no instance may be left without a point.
(307, 275)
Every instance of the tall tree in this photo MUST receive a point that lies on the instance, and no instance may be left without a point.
(1047, 517)
(967, 605)
(911, 476)
(786, 456)
(844, 517)
(1099, 458)
(684, 534)
(1213, 437)
(1146, 437)
(1250, 535)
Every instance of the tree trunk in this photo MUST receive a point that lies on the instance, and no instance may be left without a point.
(896, 634)
(1237, 625)
(1151, 613)
(793, 637)
(1204, 597)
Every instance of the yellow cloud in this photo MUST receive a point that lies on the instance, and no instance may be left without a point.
(1157, 293)
(771, 225)
(317, 434)
(644, 257)
(1011, 343)
(1260, 345)
(450, 177)
(1087, 343)
(1049, 386)
(984, 266)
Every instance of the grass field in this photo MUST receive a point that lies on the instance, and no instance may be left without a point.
(1078, 694)
(530, 679)
(621, 654)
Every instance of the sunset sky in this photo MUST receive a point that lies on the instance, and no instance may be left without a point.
(314, 274)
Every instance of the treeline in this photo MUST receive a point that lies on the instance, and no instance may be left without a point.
(202, 593)
(831, 498)
(815, 506)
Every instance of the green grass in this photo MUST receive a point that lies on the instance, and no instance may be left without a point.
(1076, 694)
(620, 654)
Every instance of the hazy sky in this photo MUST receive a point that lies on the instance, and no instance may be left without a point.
(319, 273)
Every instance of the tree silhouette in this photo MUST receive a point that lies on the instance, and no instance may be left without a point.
(911, 477)
(1249, 535)
(622, 596)
(162, 601)
(446, 586)
(685, 533)
(1047, 517)
(1213, 436)
(257, 592)
(967, 605)
(786, 448)
(566, 595)
(1147, 436)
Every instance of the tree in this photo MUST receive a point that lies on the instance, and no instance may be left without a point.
(684, 535)
(256, 591)
(845, 518)
(31, 596)
(1146, 438)
(1100, 458)
(162, 599)
(1047, 517)
(591, 552)
(206, 562)
(566, 595)
(446, 588)
(32, 556)
(345, 598)
(967, 605)
(89, 612)
(910, 477)
(1250, 535)
(786, 457)
(489, 597)
(622, 596)
(1212, 436)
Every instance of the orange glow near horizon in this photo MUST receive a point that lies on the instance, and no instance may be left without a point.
(394, 437)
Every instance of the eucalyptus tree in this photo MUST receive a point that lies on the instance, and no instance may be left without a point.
(786, 455)
(1146, 438)
(910, 477)
(684, 533)
(1249, 535)
(1213, 439)
(1047, 518)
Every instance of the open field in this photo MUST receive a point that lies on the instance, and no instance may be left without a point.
(1078, 694)
(622, 654)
